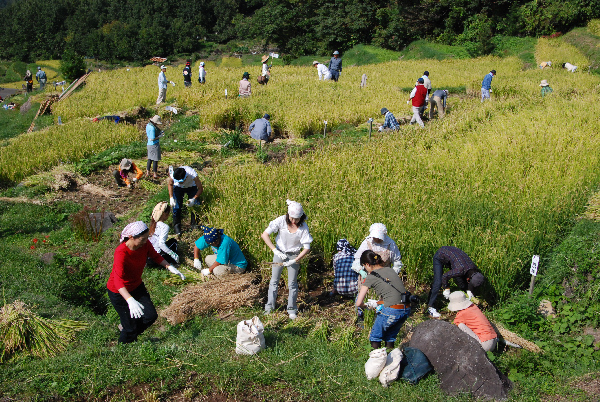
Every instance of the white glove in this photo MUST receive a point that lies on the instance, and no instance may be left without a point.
(192, 202)
(130, 185)
(197, 263)
(176, 272)
(172, 202)
(205, 272)
(363, 273)
(380, 128)
(470, 294)
(174, 256)
(280, 254)
(408, 102)
(172, 83)
(397, 266)
(135, 308)
(446, 293)
(134, 179)
(289, 262)
(371, 303)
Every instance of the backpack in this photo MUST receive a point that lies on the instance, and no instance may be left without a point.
(414, 365)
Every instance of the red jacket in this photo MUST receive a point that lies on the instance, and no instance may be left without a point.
(419, 99)
(128, 266)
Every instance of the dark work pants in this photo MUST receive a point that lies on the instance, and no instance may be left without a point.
(173, 246)
(436, 285)
(132, 327)
(118, 178)
(178, 193)
(152, 164)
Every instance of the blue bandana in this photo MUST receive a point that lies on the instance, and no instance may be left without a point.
(344, 247)
(211, 234)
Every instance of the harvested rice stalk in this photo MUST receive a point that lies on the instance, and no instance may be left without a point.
(221, 294)
(22, 330)
(514, 338)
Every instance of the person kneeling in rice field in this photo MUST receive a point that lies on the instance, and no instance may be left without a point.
(390, 122)
(227, 258)
(392, 309)
(545, 64)
(546, 89)
(569, 67)
(121, 175)
(346, 280)
(472, 321)
(126, 290)
(159, 233)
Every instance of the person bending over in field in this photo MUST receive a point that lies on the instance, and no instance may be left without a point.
(322, 70)
(545, 64)
(394, 300)
(463, 270)
(293, 243)
(379, 242)
(159, 233)
(181, 181)
(346, 280)
(227, 258)
(245, 89)
(438, 101)
(260, 129)
(122, 174)
(569, 67)
(472, 321)
(390, 123)
(126, 289)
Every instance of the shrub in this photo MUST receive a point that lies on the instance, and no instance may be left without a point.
(72, 65)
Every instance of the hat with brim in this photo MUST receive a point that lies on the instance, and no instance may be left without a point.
(211, 234)
(156, 119)
(458, 301)
(378, 231)
(336, 52)
(163, 66)
(264, 58)
(544, 83)
(384, 110)
(315, 62)
(125, 164)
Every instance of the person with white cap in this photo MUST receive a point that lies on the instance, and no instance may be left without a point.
(260, 129)
(322, 70)
(438, 100)
(463, 270)
(121, 175)
(291, 245)
(546, 89)
(159, 233)
(153, 145)
(472, 321)
(40, 76)
(181, 181)
(162, 85)
(335, 66)
(126, 289)
(201, 73)
(227, 257)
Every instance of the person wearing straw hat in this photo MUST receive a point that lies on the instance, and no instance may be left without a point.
(265, 73)
(390, 123)
(291, 245)
(153, 133)
(201, 73)
(335, 66)
(126, 290)
(121, 175)
(245, 89)
(159, 233)
(472, 321)
(260, 129)
(463, 270)
(162, 85)
(322, 70)
(546, 89)
(545, 64)
(181, 181)
(227, 257)
(187, 74)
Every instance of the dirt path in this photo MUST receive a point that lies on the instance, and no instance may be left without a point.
(6, 92)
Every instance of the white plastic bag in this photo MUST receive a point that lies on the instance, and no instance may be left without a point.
(392, 368)
(376, 362)
(250, 339)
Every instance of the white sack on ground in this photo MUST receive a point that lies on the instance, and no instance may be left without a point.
(250, 339)
(392, 368)
(376, 363)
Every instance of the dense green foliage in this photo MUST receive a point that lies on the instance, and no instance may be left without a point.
(72, 65)
(137, 30)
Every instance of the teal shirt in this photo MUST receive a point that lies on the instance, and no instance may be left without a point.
(228, 251)
(546, 90)
(152, 133)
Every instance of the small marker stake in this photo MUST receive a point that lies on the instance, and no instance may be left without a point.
(533, 271)
(370, 121)
(225, 93)
(325, 128)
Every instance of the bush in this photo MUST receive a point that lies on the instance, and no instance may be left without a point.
(72, 65)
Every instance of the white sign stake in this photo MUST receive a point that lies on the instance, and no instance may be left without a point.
(533, 271)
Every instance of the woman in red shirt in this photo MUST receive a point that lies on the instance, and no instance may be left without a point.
(126, 290)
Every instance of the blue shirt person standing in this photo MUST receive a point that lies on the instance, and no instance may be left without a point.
(227, 258)
(335, 66)
(40, 76)
(486, 85)
(153, 145)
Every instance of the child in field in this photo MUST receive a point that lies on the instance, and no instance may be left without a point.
(159, 233)
(472, 321)
(389, 287)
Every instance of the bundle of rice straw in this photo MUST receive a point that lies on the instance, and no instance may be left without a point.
(514, 338)
(221, 294)
(22, 330)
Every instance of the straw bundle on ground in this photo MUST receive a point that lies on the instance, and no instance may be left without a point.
(220, 294)
(514, 338)
(22, 330)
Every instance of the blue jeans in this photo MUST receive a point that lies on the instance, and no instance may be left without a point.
(387, 324)
(485, 94)
(335, 75)
(178, 193)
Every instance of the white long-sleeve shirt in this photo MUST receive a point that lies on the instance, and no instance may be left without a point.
(162, 80)
(159, 238)
(201, 72)
(286, 241)
(323, 71)
(570, 67)
(265, 70)
(387, 250)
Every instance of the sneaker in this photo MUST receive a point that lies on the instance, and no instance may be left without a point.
(292, 315)
(433, 313)
(178, 229)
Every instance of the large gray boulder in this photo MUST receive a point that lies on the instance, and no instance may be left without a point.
(459, 361)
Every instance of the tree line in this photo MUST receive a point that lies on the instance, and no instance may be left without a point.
(135, 30)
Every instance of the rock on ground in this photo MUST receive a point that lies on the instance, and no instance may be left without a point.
(459, 361)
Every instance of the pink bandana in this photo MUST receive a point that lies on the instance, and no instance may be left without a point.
(133, 229)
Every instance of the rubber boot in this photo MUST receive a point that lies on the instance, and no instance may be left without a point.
(376, 344)
(193, 221)
(177, 224)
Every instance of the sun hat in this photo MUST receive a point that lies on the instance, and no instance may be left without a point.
(378, 231)
(159, 209)
(133, 229)
(294, 209)
(336, 52)
(246, 75)
(264, 58)
(476, 279)
(544, 83)
(493, 72)
(202, 63)
(458, 301)
(39, 68)
(156, 119)
(211, 234)
(315, 62)
(384, 110)
(266, 116)
(125, 164)
(163, 66)
(421, 80)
